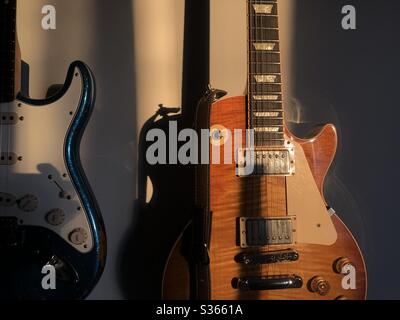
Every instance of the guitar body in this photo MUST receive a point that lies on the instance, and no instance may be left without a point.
(48, 214)
(320, 238)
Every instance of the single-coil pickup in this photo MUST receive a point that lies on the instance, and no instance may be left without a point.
(8, 118)
(8, 158)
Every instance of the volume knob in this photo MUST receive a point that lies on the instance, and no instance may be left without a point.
(340, 263)
(55, 217)
(28, 203)
(78, 236)
(319, 285)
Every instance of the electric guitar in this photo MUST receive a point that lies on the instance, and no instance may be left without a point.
(49, 218)
(262, 229)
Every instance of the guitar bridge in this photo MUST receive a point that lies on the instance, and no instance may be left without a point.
(267, 283)
(267, 257)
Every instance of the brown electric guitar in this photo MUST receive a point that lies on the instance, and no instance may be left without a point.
(264, 233)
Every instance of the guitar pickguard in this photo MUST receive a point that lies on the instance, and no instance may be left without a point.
(38, 180)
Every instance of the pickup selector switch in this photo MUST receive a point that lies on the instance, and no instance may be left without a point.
(55, 217)
(78, 236)
(28, 203)
(7, 200)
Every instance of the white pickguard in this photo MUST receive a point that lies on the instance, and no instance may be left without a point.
(39, 140)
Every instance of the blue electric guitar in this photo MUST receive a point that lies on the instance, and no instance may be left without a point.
(49, 219)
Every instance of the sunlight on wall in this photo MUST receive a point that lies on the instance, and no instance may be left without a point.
(159, 27)
(229, 45)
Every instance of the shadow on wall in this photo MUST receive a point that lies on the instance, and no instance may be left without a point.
(158, 224)
(111, 156)
(350, 78)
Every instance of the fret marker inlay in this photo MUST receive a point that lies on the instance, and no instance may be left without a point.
(263, 8)
(266, 97)
(266, 46)
(267, 129)
(266, 114)
(265, 78)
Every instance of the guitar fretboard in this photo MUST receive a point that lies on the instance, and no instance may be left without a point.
(265, 79)
(7, 49)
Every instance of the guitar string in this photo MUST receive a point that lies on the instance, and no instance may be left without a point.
(253, 180)
(265, 179)
(261, 179)
(272, 195)
(284, 266)
(257, 179)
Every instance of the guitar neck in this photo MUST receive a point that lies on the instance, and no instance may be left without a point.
(264, 78)
(8, 64)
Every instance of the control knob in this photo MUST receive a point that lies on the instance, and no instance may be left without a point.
(28, 203)
(319, 285)
(55, 217)
(340, 263)
(78, 236)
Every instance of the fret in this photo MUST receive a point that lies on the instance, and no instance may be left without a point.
(263, 135)
(264, 68)
(266, 88)
(265, 128)
(259, 34)
(252, 2)
(265, 56)
(265, 21)
(265, 122)
(267, 107)
(258, 142)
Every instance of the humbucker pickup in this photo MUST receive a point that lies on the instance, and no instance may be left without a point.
(8, 118)
(259, 232)
(267, 257)
(273, 162)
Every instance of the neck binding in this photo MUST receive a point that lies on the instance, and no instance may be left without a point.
(265, 79)
(8, 10)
